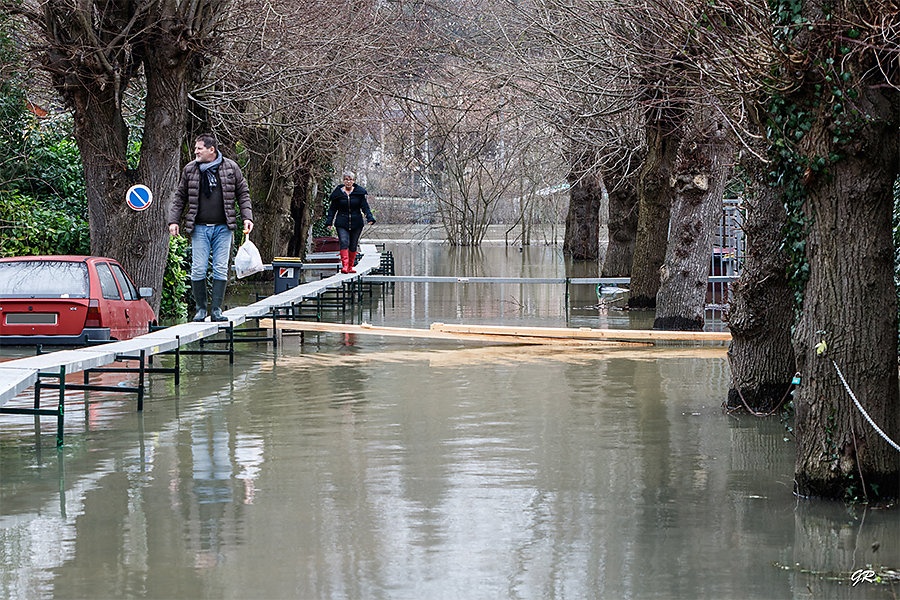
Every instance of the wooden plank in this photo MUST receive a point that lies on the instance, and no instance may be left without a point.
(650, 335)
(476, 354)
(443, 279)
(368, 329)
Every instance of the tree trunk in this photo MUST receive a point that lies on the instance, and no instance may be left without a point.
(164, 125)
(304, 202)
(653, 214)
(698, 183)
(268, 174)
(102, 138)
(761, 312)
(846, 340)
(849, 318)
(622, 224)
(138, 240)
(582, 237)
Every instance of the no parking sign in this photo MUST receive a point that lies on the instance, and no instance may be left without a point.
(139, 197)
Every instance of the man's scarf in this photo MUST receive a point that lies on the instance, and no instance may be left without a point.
(211, 169)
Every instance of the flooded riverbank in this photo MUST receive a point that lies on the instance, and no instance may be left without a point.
(365, 467)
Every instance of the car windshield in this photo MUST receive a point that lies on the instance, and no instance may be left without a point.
(43, 279)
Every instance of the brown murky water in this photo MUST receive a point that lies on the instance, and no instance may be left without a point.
(362, 467)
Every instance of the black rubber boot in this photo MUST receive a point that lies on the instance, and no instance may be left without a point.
(218, 295)
(199, 290)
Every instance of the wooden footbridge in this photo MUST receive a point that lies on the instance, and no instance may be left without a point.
(49, 371)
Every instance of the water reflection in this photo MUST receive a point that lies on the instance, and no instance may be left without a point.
(390, 468)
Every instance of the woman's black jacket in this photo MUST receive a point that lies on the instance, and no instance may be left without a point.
(347, 213)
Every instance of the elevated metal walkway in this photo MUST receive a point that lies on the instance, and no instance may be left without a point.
(18, 375)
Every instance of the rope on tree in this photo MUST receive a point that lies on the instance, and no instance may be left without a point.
(864, 413)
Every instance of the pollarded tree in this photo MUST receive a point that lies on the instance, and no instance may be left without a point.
(582, 240)
(624, 207)
(845, 108)
(761, 306)
(94, 52)
(697, 185)
(663, 93)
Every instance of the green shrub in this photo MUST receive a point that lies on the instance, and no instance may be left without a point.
(29, 227)
(173, 306)
(54, 172)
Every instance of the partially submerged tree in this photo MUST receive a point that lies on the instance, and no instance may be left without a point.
(620, 178)
(663, 95)
(761, 306)
(568, 62)
(846, 341)
(586, 201)
(475, 143)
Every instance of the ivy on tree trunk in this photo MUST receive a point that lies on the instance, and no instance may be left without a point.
(760, 312)
(849, 141)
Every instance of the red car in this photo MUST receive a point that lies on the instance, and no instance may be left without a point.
(69, 300)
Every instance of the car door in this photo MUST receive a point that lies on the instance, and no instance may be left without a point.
(112, 306)
(136, 319)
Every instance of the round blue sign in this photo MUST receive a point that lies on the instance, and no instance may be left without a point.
(139, 197)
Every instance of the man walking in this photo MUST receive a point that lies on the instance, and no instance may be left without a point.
(210, 185)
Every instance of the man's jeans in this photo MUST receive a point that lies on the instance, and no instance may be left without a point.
(206, 240)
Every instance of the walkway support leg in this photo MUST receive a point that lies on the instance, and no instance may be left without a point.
(230, 343)
(141, 373)
(60, 412)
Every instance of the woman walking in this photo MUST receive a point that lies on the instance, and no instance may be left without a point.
(348, 205)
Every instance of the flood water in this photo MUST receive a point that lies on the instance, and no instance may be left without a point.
(361, 467)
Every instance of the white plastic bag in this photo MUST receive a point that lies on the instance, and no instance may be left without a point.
(247, 261)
